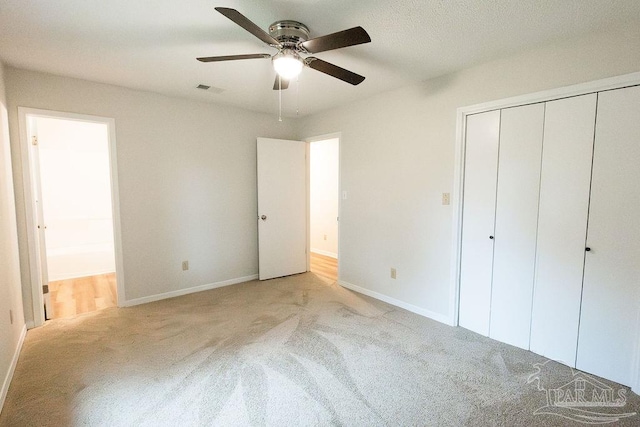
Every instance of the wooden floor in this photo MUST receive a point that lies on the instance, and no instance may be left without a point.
(82, 295)
(324, 266)
(85, 294)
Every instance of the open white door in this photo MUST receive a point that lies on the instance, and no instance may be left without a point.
(282, 207)
(41, 247)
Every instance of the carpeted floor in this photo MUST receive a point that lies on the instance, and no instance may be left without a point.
(292, 351)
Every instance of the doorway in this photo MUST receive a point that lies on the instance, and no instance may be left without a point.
(73, 208)
(324, 166)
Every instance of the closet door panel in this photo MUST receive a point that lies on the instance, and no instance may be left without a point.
(562, 226)
(516, 223)
(481, 168)
(611, 291)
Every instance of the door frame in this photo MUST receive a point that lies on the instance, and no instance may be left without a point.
(308, 142)
(33, 263)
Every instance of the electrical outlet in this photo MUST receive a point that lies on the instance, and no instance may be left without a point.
(185, 265)
(393, 273)
(446, 198)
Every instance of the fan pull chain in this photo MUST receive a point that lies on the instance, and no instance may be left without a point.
(279, 98)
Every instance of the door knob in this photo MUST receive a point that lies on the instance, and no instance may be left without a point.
(263, 217)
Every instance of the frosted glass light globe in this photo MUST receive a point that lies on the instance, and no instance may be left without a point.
(287, 64)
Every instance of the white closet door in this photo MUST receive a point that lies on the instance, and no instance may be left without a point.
(611, 291)
(478, 218)
(516, 223)
(562, 226)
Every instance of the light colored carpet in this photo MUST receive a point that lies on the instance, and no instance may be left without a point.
(291, 351)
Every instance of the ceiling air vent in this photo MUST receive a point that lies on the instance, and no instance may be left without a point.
(215, 90)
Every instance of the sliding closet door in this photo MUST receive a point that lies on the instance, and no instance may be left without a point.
(478, 217)
(516, 223)
(611, 292)
(562, 226)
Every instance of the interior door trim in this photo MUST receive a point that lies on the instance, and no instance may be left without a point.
(29, 226)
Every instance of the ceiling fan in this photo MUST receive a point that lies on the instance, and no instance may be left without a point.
(291, 38)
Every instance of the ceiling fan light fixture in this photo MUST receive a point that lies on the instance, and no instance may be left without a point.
(291, 38)
(287, 64)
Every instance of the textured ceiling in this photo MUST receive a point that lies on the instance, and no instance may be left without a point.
(152, 45)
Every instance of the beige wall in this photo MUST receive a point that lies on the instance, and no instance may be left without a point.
(187, 178)
(398, 158)
(10, 292)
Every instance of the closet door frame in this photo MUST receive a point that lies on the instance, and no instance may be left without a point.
(618, 82)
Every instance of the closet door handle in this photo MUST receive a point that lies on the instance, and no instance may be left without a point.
(491, 237)
(588, 249)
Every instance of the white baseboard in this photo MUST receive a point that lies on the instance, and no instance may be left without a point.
(12, 368)
(180, 292)
(410, 307)
(325, 253)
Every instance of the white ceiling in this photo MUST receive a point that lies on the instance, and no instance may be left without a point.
(152, 45)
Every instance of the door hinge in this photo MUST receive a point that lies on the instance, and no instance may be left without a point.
(45, 289)
(34, 139)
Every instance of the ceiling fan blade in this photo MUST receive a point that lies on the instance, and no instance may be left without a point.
(350, 37)
(245, 23)
(334, 71)
(233, 57)
(280, 83)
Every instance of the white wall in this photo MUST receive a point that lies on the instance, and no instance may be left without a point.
(10, 292)
(186, 175)
(187, 170)
(76, 197)
(397, 158)
(323, 175)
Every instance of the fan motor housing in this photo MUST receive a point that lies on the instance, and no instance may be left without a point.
(289, 32)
